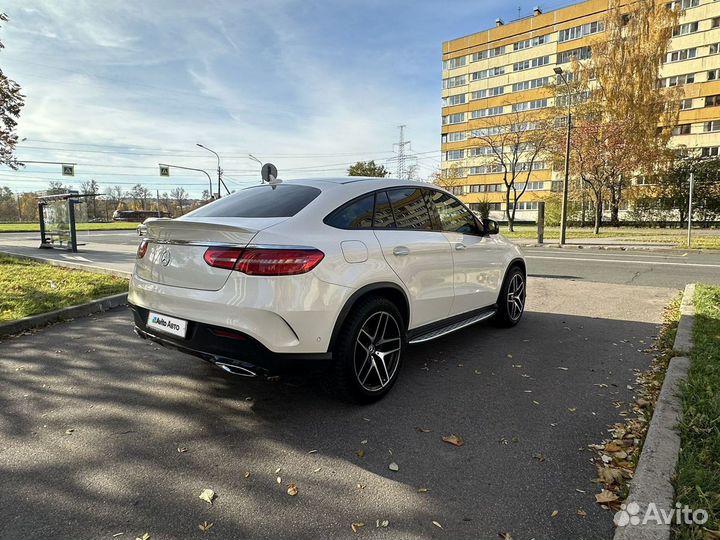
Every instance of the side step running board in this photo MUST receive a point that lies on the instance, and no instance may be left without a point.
(452, 327)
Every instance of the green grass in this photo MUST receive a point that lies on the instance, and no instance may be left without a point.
(702, 239)
(697, 480)
(29, 287)
(35, 227)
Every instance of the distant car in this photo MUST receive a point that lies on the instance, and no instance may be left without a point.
(137, 215)
(142, 229)
(335, 273)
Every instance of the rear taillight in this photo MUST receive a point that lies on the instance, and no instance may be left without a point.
(222, 257)
(142, 249)
(264, 261)
(278, 262)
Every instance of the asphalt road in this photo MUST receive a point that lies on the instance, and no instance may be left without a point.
(91, 420)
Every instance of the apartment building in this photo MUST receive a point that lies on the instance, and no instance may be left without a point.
(509, 68)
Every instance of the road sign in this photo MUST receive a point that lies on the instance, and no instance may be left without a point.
(68, 170)
(164, 170)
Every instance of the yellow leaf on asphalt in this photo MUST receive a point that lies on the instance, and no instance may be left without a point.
(393, 467)
(423, 490)
(181, 449)
(279, 480)
(360, 453)
(356, 526)
(423, 430)
(612, 447)
(205, 526)
(454, 440)
(145, 536)
(505, 535)
(292, 490)
(605, 497)
(554, 513)
(278, 470)
(582, 513)
(572, 409)
(247, 474)
(207, 495)
(437, 524)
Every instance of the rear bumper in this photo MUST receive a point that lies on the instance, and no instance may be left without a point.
(241, 351)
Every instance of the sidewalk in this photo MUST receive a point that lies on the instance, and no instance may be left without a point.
(115, 259)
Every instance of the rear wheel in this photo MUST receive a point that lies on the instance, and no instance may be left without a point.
(511, 302)
(369, 350)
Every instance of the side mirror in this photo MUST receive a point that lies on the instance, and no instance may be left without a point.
(491, 226)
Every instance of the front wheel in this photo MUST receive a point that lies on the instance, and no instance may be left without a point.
(369, 350)
(511, 302)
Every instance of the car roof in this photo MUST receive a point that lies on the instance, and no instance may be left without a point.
(328, 183)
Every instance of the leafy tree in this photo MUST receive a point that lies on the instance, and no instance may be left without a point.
(624, 104)
(8, 205)
(91, 187)
(11, 102)
(367, 168)
(140, 195)
(672, 187)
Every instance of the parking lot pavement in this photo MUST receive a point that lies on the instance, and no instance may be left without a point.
(101, 433)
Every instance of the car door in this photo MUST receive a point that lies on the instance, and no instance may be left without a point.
(419, 255)
(478, 261)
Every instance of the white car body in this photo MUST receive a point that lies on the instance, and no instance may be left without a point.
(444, 278)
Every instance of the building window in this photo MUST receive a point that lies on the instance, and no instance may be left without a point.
(713, 75)
(454, 155)
(455, 137)
(533, 42)
(452, 82)
(454, 62)
(684, 29)
(710, 151)
(679, 80)
(686, 104)
(525, 205)
(579, 31)
(457, 118)
(530, 105)
(714, 48)
(530, 64)
(480, 151)
(684, 54)
(490, 53)
(682, 4)
(487, 73)
(490, 92)
(582, 53)
(533, 83)
(715, 22)
(457, 99)
(487, 169)
(711, 126)
(712, 101)
(681, 129)
(492, 111)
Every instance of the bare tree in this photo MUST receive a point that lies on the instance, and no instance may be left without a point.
(180, 196)
(513, 145)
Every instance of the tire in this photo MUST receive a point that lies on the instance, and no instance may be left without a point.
(511, 301)
(369, 350)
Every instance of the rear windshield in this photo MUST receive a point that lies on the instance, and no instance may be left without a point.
(281, 200)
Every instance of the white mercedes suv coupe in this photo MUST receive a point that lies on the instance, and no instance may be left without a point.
(338, 274)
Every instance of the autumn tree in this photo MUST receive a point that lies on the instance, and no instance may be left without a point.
(180, 196)
(11, 102)
(625, 104)
(91, 187)
(449, 178)
(512, 145)
(367, 168)
(140, 194)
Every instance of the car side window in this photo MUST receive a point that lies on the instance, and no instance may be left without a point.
(454, 217)
(357, 214)
(383, 212)
(410, 209)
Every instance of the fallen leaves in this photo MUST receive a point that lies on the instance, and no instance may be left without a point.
(145, 536)
(454, 440)
(423, 430)
(360, 453)
(384, 523)
(292, 490)
(205, 526)
(581, 513)
(554, 513)
(605, 497)
(181, 449)
(437, 525)
(207, 495)
(394, 467)
(356, 526)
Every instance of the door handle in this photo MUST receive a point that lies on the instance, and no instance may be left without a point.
(400, 251)
(460, 247)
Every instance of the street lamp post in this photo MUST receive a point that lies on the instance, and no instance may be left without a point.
(191, 169)
(566, 181)
(219, 170)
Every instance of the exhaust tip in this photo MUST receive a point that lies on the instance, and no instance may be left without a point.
(236, 370)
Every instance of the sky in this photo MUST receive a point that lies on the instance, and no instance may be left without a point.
(311, 86)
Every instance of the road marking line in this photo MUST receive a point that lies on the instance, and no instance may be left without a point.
(624, 261)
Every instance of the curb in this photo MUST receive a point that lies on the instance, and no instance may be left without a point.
(602, 247)
(71, 265)
(683, 335)
(652, 482)
(72, 312)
